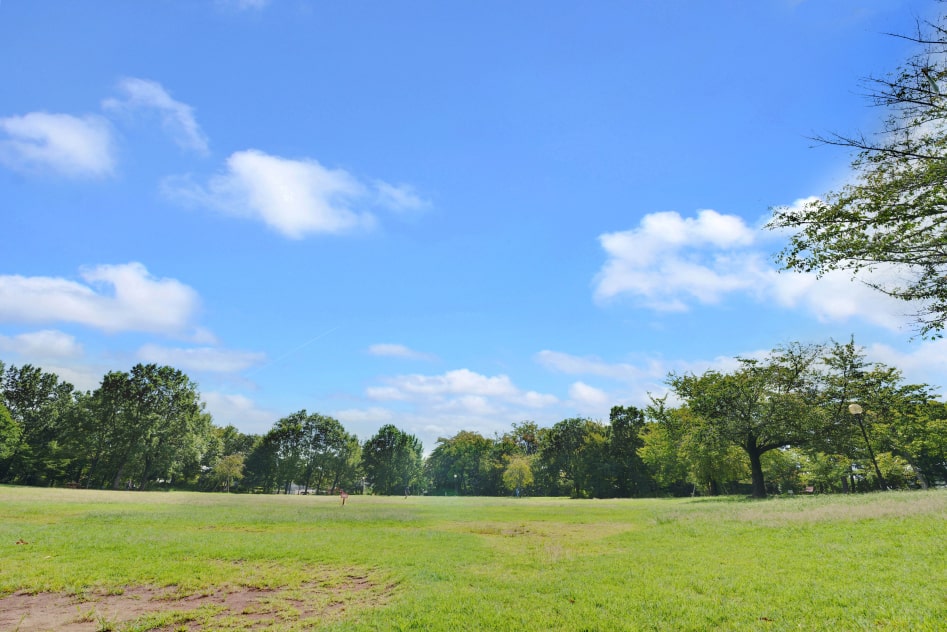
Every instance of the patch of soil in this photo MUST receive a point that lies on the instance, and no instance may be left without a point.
(254, 608)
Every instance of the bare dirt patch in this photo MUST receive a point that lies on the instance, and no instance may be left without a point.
(165, 609)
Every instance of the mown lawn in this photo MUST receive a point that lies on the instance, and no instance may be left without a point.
(867, 562)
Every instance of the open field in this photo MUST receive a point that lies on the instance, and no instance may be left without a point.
(90, 560)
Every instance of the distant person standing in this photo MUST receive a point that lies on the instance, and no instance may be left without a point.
(343, 496)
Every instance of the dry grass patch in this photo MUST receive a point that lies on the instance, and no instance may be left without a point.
(141, 608)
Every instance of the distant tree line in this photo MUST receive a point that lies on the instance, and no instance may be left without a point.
(805, 418)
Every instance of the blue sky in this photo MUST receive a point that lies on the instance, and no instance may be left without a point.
(440, 215)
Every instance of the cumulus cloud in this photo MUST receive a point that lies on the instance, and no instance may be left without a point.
(177, 119)
(670, 263)
(113, 298)
(460, 382)
(67, 145)
(398, 351)
(47, 343)
(201, 358)
(670, 259)
(443, 404)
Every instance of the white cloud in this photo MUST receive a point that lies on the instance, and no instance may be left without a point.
(441, 405)
(459, 382)
(590, 400)
(65, 144)
(662, 262)
(669, 263)
(201, 358)
(837, 297)
(926, 363)
(113, 298)
(374, 415)
(177, 118)
(401, 198)
(239, 411)
(47, 343)
(243, 5)
(576, 365)
(293, 197)
(398, 351)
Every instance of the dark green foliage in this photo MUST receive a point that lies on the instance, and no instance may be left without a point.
(392, 462)
(463, 464)
(36, 444)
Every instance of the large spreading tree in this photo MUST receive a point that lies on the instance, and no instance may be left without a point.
(763, 405)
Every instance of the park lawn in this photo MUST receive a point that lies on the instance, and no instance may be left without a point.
(874, 561)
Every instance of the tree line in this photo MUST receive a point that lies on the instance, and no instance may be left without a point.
(803, 418)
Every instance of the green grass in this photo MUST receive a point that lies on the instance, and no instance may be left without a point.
(868, 562)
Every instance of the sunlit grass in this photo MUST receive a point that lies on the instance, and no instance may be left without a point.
(836, 563)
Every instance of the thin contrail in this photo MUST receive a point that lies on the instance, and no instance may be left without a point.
(290, 352)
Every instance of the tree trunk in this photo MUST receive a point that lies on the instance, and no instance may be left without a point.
(756, 467)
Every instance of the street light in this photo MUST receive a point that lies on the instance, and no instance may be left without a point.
(857, 411)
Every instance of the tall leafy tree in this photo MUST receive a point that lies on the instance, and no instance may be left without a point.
(9, 433)
(328, 451)
(684, 453)
(624, 441)
(289, 440)
(39, 404)
(890, 414)
(150, 425)
(518, 474)
(392, 461)
(574, 459)
(894, 214)
(462, 463)
(762, 406)
(261, 467)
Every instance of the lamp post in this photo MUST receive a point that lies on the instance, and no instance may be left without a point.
(857, 411)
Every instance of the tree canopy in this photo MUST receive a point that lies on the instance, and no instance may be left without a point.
(891, 220)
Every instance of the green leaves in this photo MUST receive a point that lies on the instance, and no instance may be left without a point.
(894, 213)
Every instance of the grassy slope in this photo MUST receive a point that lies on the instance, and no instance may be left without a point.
(836, 563)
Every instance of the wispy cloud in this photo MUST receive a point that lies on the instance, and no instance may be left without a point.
(398, 351)
(177, 118)
(73, 146)
(590, 365)
(400, 198)
(113, 298)
(294, 197)
(243, 5)
(201, 358)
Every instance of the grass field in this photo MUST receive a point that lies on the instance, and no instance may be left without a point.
(90, 560)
